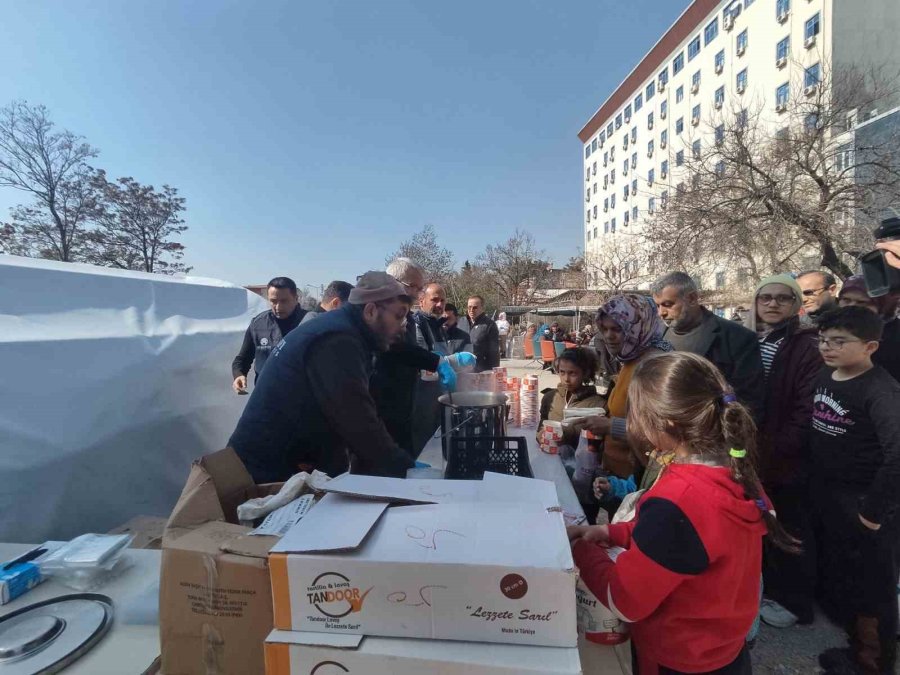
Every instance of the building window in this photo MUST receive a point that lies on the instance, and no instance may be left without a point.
(812, 27)
(612, 225)
(664, 138)
(634, 186)
(650, 149)
(595, 188)
(781, 95)
(693, 48)
(679, 125)
(782, 7)
(679, 158)
(634, 160)
(711, 32)
(595, 168)
(742, 80)
(595, 212)
(634, 213)
(695, 115)
(651, 205)
(650, 120)
(589, 234)
(606, 227)
(720, 168)
(811, 75)
(741, 118)
(587, 174)
(612, 176)
(594, 145)
(720, 134)
(606, 204)
(650, 91)
(625, 191)
(625, 168)
(664, 168)
(663, 109)
(602, 137)
(625, 217)
(720, 61)
(811, 123)
(612, 201)
(695, 80)
(625, 142)
(742, 40)
(720, 280)
(651, 176)
(634, 134)
(587, 151)
(638, 102)
(679, 95)
(595, 233)
(664, 198)
(719, 97)
(678, 64)
(628, 113)
(619, 121)
(609, 131)
(664, 76)
(783, 49)
(695, 149)
(843, 158)
(588, 215)
(747, 3)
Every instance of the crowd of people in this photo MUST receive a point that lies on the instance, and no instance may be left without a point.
(714, 437)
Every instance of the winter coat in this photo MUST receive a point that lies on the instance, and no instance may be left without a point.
(553, 406)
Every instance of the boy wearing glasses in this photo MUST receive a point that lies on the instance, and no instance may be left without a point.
(855, 452)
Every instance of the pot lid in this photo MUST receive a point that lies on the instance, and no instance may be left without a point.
(47, 636)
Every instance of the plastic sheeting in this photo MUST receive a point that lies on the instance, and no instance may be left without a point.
(113, 382)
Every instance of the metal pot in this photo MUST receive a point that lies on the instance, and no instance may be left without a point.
(472, 414)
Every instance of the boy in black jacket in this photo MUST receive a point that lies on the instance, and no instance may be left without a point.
(855, 446)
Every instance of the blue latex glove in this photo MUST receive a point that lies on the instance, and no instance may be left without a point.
(460, 361)
(620, 487)
(422, 465)
(447, 375)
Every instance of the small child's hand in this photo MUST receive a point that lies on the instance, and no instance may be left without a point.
(598, 534)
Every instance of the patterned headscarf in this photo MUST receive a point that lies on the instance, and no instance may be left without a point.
(642, 329)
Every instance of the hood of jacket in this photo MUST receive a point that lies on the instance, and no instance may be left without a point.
(585, 391)
(715, 485)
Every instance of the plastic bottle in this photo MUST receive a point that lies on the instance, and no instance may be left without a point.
(587, 462)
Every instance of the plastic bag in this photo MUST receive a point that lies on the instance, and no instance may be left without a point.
(88, 561)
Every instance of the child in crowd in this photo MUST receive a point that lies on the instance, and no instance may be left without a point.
(577, 369)
(688, 581)
(855, 447)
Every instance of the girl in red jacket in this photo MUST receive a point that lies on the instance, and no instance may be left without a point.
(688, 581)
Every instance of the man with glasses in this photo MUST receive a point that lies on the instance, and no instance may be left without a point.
(819, 292)
(483, 333)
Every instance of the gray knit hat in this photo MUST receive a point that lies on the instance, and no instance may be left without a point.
(376, 287)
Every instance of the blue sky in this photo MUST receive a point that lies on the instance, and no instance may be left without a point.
(310, 138)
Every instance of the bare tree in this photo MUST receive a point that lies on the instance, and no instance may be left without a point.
(772, 192)
(136, 227)
(517, 267)
(623, 262)
(468, 281)
(423, 249)
(51, 166)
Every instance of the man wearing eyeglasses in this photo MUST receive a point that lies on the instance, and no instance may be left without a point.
(819, 290)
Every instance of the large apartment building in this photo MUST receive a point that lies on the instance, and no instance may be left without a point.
(717, 57)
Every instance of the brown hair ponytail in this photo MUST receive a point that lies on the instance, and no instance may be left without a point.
(685, 396)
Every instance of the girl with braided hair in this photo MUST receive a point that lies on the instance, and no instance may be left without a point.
(688, 579)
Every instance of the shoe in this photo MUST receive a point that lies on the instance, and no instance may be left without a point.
(775, 615)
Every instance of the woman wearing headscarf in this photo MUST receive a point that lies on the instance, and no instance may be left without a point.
(632, 331)
(854, 292)
(791, 361)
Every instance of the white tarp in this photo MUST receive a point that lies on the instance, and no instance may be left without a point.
(112, 382)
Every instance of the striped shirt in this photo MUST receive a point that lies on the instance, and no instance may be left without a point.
(768, 349)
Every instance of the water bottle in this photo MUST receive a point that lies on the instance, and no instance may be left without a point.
(587, 463)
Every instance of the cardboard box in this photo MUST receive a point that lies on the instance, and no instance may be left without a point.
(476, 571)
(215, 604)
(147, 531)
(289, 653)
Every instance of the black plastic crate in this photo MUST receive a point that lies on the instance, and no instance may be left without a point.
(471, 456)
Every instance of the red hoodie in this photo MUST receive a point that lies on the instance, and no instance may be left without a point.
(688, 581)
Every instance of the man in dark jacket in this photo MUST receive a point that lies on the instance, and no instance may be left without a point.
(458, 339)
(483, 334)
(266, 330)
(692, 328)
(335, 295)
(312, 408)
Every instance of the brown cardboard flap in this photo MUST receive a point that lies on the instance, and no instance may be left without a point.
(255, 546)
(337, 523)
(147, 531)
(211, 538)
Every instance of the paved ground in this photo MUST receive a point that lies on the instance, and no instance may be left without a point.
(777, 652)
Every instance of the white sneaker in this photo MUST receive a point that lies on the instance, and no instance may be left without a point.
(775, 615)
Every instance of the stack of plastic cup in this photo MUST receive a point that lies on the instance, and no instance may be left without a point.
(528, 400)
(500, 377)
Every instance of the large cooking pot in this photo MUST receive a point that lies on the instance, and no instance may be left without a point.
(472, 414)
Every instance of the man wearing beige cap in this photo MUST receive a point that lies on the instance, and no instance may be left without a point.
(311, 408)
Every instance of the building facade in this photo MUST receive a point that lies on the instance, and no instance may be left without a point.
(718, 57)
